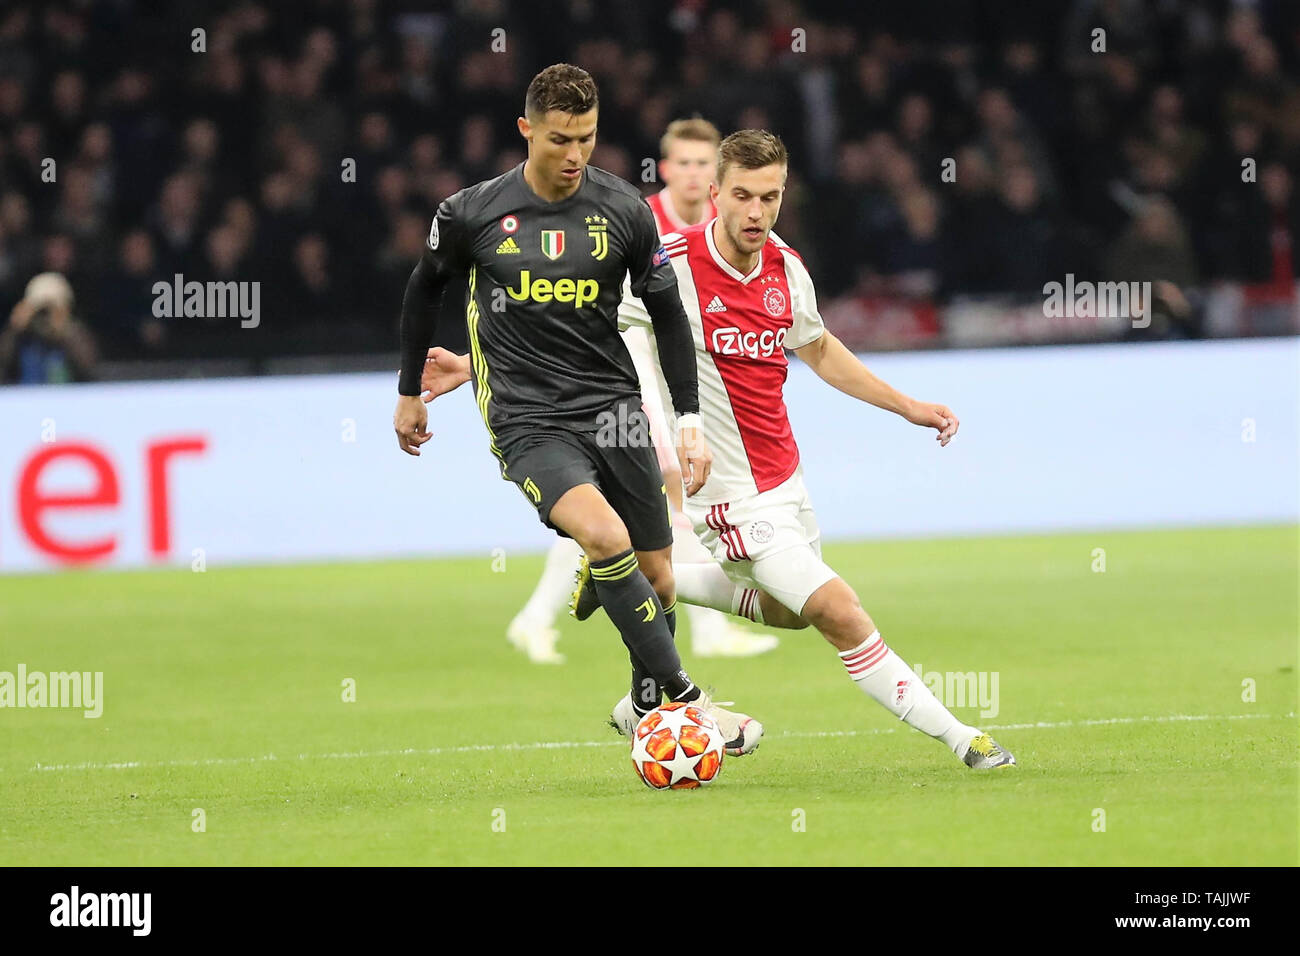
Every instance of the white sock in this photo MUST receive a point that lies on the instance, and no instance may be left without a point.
(554, 588)
(882, 676)
(686, 547)
(707, 585)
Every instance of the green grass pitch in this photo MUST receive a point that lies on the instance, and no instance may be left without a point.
(1120, 691)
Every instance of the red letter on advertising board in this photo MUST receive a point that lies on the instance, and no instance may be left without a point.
(32, 504)
(156, 455)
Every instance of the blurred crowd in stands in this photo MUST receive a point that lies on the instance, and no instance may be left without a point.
(222, 157)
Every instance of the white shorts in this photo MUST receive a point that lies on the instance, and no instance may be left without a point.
(653, 391)
(768, 541)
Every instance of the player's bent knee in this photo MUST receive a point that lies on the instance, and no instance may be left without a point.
(838, 619)
(585, 516)
(662, 580)
(659, 572)
(778, 615)
(665, 585)
(601, 538)
(835, 610)
(606, 541)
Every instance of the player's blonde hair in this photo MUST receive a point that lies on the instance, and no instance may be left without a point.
(696, 129)
(750, 149)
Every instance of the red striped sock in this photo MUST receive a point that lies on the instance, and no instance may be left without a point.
(882, 676)
(746, 604)
(865, 659)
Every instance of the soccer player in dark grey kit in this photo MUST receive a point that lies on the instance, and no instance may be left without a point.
(546, 247)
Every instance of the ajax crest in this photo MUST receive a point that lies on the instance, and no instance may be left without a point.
(774, 301)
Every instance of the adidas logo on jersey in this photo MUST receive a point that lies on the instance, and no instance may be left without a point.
(715, 306)
(508, 246)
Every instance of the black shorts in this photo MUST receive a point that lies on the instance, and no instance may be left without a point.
(546, 462)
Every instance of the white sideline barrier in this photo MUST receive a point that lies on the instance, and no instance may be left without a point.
(307, 468)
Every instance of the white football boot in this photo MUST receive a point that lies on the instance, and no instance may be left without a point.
(537, 641)
(741, 731)
(732, 641)
(713, 634)
(623, 717)
(985, 753)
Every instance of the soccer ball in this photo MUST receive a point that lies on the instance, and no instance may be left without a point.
(678, 747)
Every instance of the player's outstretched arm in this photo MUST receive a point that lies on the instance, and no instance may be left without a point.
(837, 366)
(444, 371)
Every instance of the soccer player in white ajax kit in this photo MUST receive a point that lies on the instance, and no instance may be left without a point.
(749, 297)
(689, 151)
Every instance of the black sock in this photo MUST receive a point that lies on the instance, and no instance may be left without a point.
(689, 691)
(646, 692)
(689, 694)
(633, 606)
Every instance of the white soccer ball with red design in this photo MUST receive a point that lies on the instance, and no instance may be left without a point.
(677, 747)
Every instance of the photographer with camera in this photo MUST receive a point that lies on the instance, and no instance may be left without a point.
(42, 342)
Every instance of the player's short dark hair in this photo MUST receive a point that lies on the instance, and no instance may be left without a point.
(696, 129)
(563, 87)
(750, 149)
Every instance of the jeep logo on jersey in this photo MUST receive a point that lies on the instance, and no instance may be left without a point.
(732, 341)
(580, 292)
(553, 243)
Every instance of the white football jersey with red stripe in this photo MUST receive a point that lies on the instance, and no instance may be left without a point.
(742, 325)
(666, 215)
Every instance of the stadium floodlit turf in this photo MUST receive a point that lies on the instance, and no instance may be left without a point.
(1120, 692)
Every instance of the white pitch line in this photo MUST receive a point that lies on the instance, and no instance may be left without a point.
(1053, 725)
(571, 744)
(345, 755)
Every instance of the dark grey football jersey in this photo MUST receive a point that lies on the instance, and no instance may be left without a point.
(545, 282)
